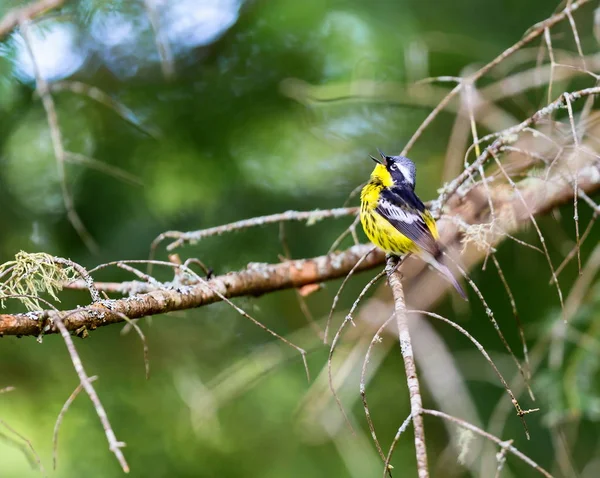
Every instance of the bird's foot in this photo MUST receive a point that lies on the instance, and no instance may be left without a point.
(392, 263)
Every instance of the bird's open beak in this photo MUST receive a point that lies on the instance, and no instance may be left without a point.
(375, 159)
(383, 156)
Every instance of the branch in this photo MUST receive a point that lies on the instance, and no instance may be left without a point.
(412, 380)
(193, 237)
(11, 20)
(255, 280)
(114, 445)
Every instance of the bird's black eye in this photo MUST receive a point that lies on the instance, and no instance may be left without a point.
(393, 167)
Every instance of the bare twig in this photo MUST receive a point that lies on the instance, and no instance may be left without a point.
(573, 252)
(513, 305)
(520, 412)
(299, 296)
(57, 142)
(114, 445)
(60, 417)
(337, 336)
(363, 387)
(490, 437)
(339, 292)
(401, 430)
(416, 406)
(505, 137)
(575, 182)
(533, 221)
(96, 94)
(167, 62)
(351, 230)
(490, 314)
(501, 457)
(109, 170)
(36, 457)
(310, 217)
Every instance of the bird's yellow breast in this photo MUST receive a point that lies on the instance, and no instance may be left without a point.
(379, 231)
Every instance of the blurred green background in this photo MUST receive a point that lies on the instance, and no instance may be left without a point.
(219, 141)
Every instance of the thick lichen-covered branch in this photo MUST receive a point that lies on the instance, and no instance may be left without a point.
(255, 280)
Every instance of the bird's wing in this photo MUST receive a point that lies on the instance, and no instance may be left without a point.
(404, 210)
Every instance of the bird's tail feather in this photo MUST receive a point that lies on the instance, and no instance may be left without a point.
(446, 273)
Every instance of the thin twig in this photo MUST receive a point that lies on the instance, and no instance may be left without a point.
(363, 387)
(548, 41)
(132, 323)
(575, 183)
(501, 457)
(60, 417)
(193, 237)
(535, 225)
(167, 62)
(494, 322)
(336, 338)
(299, 297)
(401, 430)
(573, 252)
(513, 305)
(96, 94)
(109, 170)
(520, 412)
(114, 445)
(498, 441)
(36, 457)
(350, 230)
(213, 289)
(57, 142)
(339, 292)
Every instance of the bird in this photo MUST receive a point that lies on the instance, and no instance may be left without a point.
(395, 219)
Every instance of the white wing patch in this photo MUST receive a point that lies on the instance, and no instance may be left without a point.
(398, 214)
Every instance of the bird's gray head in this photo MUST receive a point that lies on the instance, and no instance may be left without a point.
(402, 169)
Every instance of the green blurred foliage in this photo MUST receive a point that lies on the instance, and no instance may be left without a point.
(218, 143)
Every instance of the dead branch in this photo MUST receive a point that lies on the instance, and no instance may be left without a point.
(114, 445)
(43, 90)
(255, 280)
(412, 380)
(309, 216)
(11, 20)
(503, 444)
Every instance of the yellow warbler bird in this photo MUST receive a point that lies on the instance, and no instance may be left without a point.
(395, 219)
